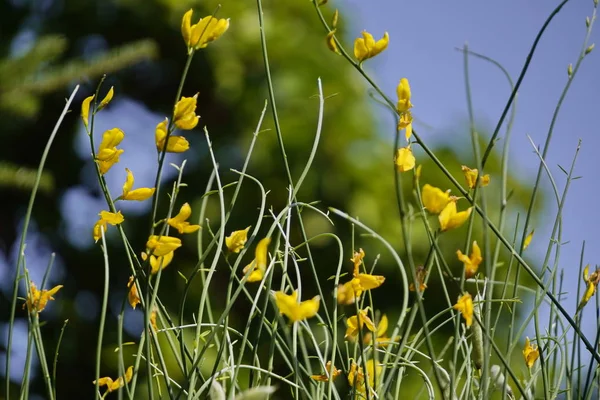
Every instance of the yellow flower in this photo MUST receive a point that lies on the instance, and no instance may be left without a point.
(153, 320)
(465, 306)
(136, 194)
(356, 376)
(528, 238)
(157, 263)
(366, 47)
(592, 282)
(345, 293)
(530, 353)
(330, 40)
(288, 305)
(175, 144)
(258, 266)
(325, 377)
(450, 218)
(381, 338)
(179, 221)
(112, 385)
(405, 122)
(85, 110)
(421, 275)
(471, 177)
(108, 154)
(356, 322)
(434, 200)
(133, 295)
(162, 245)
(403, 91)
(106, 218)
(236, 241)
(207, 29)
(405, 160)
(184, 115)
(362, 282)
(107, 98)
(471, 263)
(38, 299)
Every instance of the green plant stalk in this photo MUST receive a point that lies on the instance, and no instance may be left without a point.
(444, 170)
(60, 337)
(102, 314)
(27, 219)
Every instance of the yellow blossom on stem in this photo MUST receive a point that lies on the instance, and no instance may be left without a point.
(38, 299)
(140, 194)
(179, 221)
(592, 283)
(331, 44)
(133, 296)
(403, 92)
(258, 266)
(107, 99)
(465, 306)
(527, 240)
(366, 46)
(184, 115)
(85, 110)
(108, 154)
(175, 144)
(153, 320)
(289, 306)
(381, 338)
(356, 377)
(236, 241)
(530, 353)
(471, 176)
(106, 218)
(449, 218)
(112, 385)
(362, 282)
(345, 293)
(356, 322)
(434, 199)
(207, 29)
(325, 376)
(421, 275)
(404, 160)
(160, 246)
(157, 263)
(472, 262)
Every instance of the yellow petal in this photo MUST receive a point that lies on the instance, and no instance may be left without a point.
(405, 160)
(107, 98)
(236, 241)
(162, 245)
(140, 194)
(434, 199)
(465, 306)
(184, 115)
(110, 139)
(85, 110)
(368, 282)
(361, 52)
(382, 327)
(208, 29)
(133, 296)
(528, 240)
(259, 264)
(112, 218)
(345, 294)
(449, 218)
(404, 95)
(177, 144)
(186, 27)
(98, 226)
(331, 44)
(288, 305)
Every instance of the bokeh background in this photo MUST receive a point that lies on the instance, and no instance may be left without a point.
(47, 47)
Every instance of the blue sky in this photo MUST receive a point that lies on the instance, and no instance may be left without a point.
(423, 40)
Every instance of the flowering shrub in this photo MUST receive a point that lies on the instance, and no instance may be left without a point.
(336, 342)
